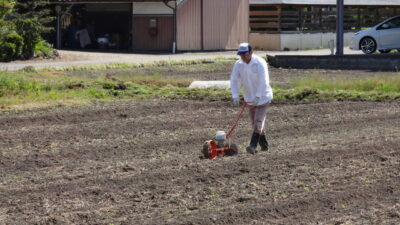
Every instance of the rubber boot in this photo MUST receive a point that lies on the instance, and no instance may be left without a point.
(252, 148)
(263, 143)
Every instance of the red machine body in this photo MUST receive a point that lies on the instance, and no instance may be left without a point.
(211, 150)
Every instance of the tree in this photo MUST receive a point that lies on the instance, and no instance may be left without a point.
(5, 7)
(29, 29)
(37, 9)
(32, 20)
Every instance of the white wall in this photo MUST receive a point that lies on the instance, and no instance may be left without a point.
(301, 41)
(295, 41)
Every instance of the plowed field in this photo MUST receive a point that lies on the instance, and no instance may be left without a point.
(139, 162)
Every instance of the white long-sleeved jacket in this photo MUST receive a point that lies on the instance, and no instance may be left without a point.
(254, 78)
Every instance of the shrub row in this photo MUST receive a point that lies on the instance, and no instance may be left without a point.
(20, 39)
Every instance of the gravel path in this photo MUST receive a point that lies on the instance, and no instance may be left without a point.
(69, 58)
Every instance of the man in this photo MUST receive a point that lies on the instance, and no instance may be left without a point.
(251, 72)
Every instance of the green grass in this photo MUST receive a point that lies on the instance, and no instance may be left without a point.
(31, 88)
(47, 88)
(385, 85)
(377, 88)
(123, 66)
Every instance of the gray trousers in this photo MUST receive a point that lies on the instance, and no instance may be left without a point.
(257, 117)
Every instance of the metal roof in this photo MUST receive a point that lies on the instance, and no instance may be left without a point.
(330, 2)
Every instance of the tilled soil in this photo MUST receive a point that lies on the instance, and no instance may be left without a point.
(139, 162)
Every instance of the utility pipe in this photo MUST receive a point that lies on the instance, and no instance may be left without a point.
(339, 27)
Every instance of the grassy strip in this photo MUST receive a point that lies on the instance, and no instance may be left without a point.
(53, 88)
(379, 88)
(311, 94)
(122, 66)
(48, 89)
(380, 84)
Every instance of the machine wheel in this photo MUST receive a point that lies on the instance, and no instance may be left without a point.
(385, 51)
(206, 146)
(368, 45)
(234, 150)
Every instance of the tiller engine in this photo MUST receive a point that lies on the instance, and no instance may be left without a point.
(218, 146)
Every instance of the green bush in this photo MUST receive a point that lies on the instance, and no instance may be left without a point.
(6, 7)
(11, 47)
(7, 50)
(109, 85)
(10, 42)
(6, 27)
(44, 49)
(29, 29)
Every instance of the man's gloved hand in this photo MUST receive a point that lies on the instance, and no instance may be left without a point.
(236, 101)
(256, 101)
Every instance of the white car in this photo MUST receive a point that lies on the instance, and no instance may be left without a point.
(383, 37)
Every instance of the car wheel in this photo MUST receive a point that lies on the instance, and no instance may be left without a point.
(368, 45)
(385, 51)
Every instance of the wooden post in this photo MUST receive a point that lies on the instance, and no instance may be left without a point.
(279, 18)
(320, 19)
(300, 18)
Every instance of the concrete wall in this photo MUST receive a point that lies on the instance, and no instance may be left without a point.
(300, 41)
(271, 42)
(295, 41)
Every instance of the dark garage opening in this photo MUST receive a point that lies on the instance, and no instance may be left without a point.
(105, 27)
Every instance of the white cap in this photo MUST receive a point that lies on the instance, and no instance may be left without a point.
(244, 48)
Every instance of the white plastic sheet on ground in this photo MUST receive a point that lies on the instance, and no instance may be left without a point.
(222, 84)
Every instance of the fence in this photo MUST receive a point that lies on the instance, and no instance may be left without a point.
(278, 18)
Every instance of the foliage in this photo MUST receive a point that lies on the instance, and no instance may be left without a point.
(379, 84)
(10, 42)
(6, 28)
(27, 9)
(30, 20)
(29, 29)
(178, 65)
(33, 86)
(17, 85)
(44, 49)
(10, 47)
(5, 7)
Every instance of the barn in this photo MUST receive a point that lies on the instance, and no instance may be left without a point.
(151, 25)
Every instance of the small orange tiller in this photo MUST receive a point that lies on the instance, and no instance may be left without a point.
(217, 147)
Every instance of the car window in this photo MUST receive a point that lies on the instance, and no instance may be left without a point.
(394, 23)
